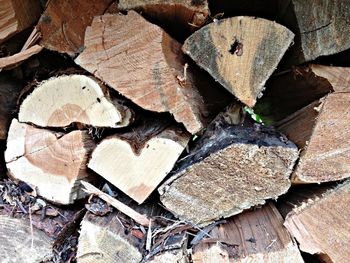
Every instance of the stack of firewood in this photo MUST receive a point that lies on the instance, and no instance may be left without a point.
(174, 131)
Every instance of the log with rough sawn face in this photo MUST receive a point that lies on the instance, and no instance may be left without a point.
(321, 131)
(138, 161)
(63, 23)
(51, 162)
(240, 53)
(253, 236)
(61, 101)
(321, 225)
(143, 63)
(233, 168)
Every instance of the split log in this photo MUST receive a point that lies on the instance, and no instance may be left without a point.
(10, 89)
(179, 17)
(136, 162)
(240, 53)
(144, 64)
(289, 91)
(17, 15)
(61, 101)
(63, 23)
(321, 224)
(255, 236)
(233, 168)
(321, 131)
(105, 240)
(52, 162)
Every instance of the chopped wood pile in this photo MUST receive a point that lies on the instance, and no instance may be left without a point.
(161, 131)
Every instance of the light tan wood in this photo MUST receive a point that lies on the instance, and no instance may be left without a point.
(323, 135)
(240, 53)
(255, 236)
(63, 23)
(338, 77)
(138, 171)
(17, 15)
(232, 168)
(103, 240)
(61, 101)
(14, 60)
(321, 225)
(51, 162)
(144, 64)
(20, 244)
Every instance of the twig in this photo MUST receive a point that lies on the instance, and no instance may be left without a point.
(149, 236)
(31, 227)
(141, 219)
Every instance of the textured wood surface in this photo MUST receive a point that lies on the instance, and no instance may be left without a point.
(321, 225)
(323, 27)
(255, 236)
(235, 167)
(104, 240)
(144, 64)
(19, 244)
(17, 15)
(61, 101)
(338, 77)
(12, 61)
(51, 162)
(326, 153)
(240, 53)
(63, 23)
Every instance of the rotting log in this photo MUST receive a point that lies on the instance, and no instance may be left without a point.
(143, 63)
(240, 53)
(253, 236)
(63, 23)
(64, 100)
(136, 162)
(321, 131)
(52, 162)
(232, 168)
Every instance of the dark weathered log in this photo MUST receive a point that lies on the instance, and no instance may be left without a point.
(240, 53)
(233, 168)
(144, 64)
(254, 236)
(17, 15)
(52, 162)
(321, 131)
(63, 23)
(320, 223)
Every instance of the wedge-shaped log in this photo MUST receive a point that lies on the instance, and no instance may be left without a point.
(138, 161)
(320, 223)
(240, 53)
(233, 168)
(63, 23)
(144, 64)
(254, 236)
(61, 101)
(52, 162)
(321, 130)
(17, 15)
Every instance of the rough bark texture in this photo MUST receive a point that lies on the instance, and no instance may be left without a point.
(324, 142)
(17, 15)
(51, 162)
(144, 64)
(176, 16)
(240, 53)
(233, 168)
(256, 236)
(104, 240)
(63, 23)
(138, 161)
(61, 101)
(321, 225)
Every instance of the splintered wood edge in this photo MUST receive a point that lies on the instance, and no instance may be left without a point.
(155, 160)
(338, 77)
(61, 101)
(14, 60)
(238, 58)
